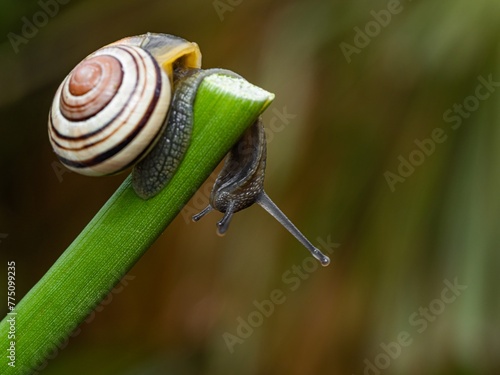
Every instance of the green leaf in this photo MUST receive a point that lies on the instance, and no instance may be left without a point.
(125, 227)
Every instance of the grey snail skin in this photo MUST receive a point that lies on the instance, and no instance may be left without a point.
(130, 105)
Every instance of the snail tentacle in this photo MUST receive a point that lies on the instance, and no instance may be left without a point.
(267, 204)
(202, 213)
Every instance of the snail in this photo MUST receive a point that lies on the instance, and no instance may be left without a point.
(130, 104)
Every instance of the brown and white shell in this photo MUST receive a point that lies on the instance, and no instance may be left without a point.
(110, 109)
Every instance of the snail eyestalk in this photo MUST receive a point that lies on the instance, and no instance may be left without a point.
(267, 204)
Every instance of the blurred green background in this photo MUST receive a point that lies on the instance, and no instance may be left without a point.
(363, 84)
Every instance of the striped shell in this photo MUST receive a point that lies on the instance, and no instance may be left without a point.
(109, 111)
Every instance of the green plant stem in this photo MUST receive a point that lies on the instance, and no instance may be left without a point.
(122, 231)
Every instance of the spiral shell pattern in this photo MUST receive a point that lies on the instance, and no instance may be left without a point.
(109, 111)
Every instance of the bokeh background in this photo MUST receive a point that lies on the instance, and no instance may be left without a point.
(355, 117)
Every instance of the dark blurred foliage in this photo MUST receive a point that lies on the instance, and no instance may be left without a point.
(327, 168)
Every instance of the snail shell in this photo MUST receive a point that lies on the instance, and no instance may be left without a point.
(110, 110)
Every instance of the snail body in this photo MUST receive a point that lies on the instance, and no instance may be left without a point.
(130, 104)
(240, 184)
